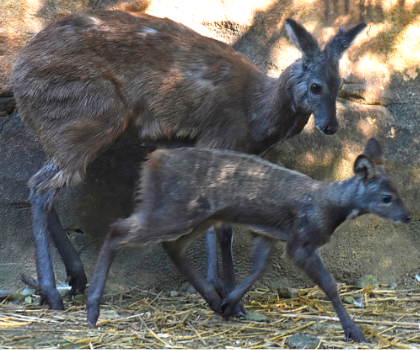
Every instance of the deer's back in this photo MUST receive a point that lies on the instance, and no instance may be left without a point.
(191, 184)
(118, 69)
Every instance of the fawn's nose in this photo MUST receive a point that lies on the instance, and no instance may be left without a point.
(407, 219)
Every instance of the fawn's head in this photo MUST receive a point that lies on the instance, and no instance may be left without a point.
(377, 193)
(318, 80)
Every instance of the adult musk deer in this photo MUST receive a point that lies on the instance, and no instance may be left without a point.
(84, 79)
(185, 191)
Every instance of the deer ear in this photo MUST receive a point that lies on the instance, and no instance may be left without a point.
(342, 41)
(364, 168)
(373, 150)
(302, 39)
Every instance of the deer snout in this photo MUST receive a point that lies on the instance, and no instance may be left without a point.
(326, 119)
(330, 129)
(406, 219)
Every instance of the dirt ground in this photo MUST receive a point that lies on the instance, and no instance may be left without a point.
(144, 319)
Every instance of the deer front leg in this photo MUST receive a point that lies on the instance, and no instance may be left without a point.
(310, 262)
(261, 249)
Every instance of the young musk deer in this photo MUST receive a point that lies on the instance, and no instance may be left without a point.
(185, 191)
(84, 79)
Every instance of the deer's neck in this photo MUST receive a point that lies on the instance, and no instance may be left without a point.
(340, 201)
(276, 111)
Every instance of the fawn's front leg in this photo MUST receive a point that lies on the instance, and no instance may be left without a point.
(310, 262)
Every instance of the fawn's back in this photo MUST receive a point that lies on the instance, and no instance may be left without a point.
(193, 185)
(187, 186)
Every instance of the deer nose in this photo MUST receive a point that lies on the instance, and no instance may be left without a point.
(407, 219)
(330, 129)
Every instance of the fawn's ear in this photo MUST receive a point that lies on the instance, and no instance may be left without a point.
(342, 41)
(364, 168)
(302, 39)
(374, 151)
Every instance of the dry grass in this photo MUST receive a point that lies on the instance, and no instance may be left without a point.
(139, 319)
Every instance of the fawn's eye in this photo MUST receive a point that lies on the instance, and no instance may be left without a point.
(316, 89)
(386, 199)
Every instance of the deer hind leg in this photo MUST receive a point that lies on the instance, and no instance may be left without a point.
(212, 270)
(76, 146)
(261, 249)
(45, 219)
(176, 251)
(42, 203)
(225, 237)
(76, 276)
(116, 239)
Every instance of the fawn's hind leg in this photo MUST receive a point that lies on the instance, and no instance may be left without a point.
(261, 250)
(176, 251)
(116, 239)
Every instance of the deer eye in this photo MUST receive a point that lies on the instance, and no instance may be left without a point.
(316, 89)
(386, 199)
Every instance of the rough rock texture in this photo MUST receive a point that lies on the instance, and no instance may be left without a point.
(380, 97)
(303, 341)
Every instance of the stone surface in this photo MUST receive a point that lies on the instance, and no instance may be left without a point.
(366, 281)
(255, 316)
(286, 292)
(380, 97)
(348, 300)
(187, 288)
(303, 341)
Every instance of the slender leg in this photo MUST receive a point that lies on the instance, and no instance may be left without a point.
(225, 238)
(176, 251)
(41, 204)
(114, 241)
(309, 261)
(261, 249)
(75, 273)
(212, 275)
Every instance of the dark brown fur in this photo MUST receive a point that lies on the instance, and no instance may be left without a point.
(193, 189)
(79, 82)
(84, 79)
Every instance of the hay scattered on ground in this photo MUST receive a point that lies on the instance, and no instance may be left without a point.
(143, 319)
